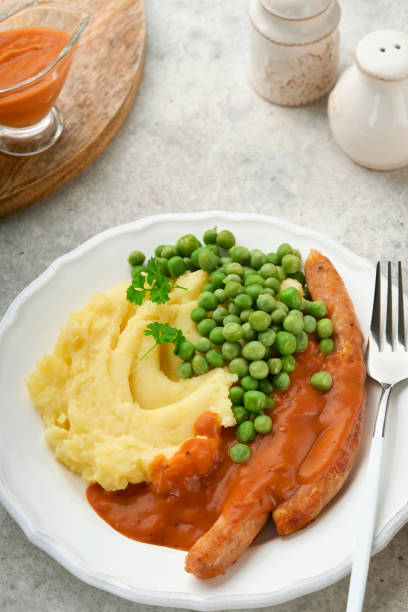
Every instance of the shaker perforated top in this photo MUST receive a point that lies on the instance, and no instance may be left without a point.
(384, 55)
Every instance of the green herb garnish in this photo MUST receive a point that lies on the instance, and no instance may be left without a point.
(164, 333)
(153, 281)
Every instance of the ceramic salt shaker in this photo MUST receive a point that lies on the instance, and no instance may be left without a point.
(294, 49)
(368, 108)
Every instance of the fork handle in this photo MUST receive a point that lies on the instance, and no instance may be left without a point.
(362, 553)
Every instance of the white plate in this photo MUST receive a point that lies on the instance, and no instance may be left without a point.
(49, 503)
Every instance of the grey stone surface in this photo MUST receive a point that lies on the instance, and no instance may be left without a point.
(198, 138)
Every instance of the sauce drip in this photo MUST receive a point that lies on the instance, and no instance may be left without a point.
(190, 491)
(23, 54)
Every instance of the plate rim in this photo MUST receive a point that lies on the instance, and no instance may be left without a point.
(119, 587)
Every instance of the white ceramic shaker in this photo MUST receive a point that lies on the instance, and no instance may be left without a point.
(368, 108)
(294, 49)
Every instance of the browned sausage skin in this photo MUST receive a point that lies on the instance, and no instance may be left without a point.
(330, 459)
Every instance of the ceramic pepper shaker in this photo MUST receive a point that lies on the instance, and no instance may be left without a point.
(294, 49)
(368, 108)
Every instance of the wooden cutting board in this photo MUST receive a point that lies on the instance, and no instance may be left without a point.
(97, 96)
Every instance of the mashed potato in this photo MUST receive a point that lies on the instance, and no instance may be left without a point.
(107, 413)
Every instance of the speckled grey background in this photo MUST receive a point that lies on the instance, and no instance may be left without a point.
(198, 138)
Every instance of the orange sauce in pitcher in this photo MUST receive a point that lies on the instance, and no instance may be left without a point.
(23, 54)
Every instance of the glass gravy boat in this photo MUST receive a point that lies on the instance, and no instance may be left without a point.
(29, 121)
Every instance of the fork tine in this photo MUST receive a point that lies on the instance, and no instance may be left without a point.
(376, 314)
(388, 321)
(401, 321)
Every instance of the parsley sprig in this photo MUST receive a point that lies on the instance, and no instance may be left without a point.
(164, 333)
(153, 281)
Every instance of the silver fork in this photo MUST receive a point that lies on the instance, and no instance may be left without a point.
(387, 363)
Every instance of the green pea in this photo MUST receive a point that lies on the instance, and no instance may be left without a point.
(185, 370)
(265, 302)
(263, 424)
(260, 320)
(219, 314)
(216, 335)
(296, 313)
(207, 300)
(324, 328)
(281, 381)
(215, 358)
(234, 268)
(249, 333)
(293, 324)
(297, 253)
(239, 453)
(240, 413)
(245, 314)
(194, 256)
(290, 263)
(317, 309)
(233, 332)
(283, 307)
(253, 290)
(210, 236)
(231, 350)
(301, 342)
(239, 366)
(253, 351)
(254, 279)
(248, 383)
(265, 386)
(283, 249)
(291, 297)
(188, 262)
(225, 260)
(233, 309)
(233, 288)
(270, 400)
(232, 318)
(136, 258)
(203, 345)
(268, 270)
(136, 270)
(299, 276)
(214, 249)
(326, 346)
(186, 245)
(205, 326)
(221, 296)
(186, 350)
(309, 324)
(288, 364)
(217, 279)
(245, 432)
(199, 364)
(209, 287)
(163, 266)
(303, 305)
(285, 343)
(267, 337)
(258, 369)
(236, 395)
(225, 239)
(243, 301)
(278, 316)
(258, 259)
(321, 380)
(240, 254)
(207, 261)
(267, 291)
(177, 267)
(254, 401)
(168, 251)
(198, 314)
(268, 352)
(273, 258)
(158, 250)
(274, 365)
